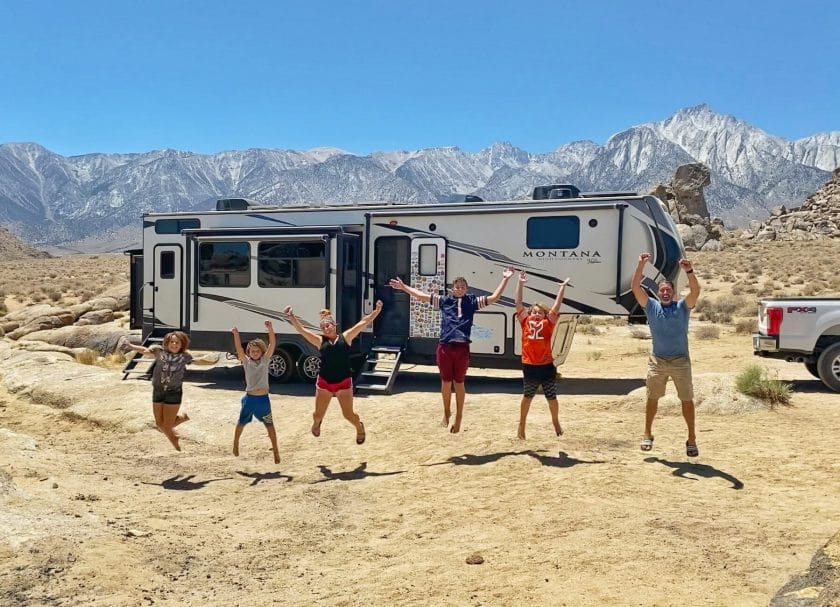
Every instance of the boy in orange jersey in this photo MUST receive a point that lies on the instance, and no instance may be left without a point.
(537, 360)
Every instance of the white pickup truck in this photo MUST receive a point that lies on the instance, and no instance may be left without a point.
(803, 330)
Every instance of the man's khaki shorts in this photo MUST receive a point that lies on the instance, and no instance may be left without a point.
(678, 368)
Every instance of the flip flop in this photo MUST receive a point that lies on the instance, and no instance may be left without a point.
(360, 438)
(691, 450)
(647, 444)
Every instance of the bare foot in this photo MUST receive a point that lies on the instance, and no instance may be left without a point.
(276, 457)
(456, 427)
(174, 439)
(558, 429)
(445, 421)
(236, 449)
(316, 429)
(521, 433)
(180, 419)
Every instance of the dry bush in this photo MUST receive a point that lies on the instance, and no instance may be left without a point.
(746, 326)
(707, 332)
(584, 319)
(87, 356)
(754, 381)
(587, 330)
(596, 355)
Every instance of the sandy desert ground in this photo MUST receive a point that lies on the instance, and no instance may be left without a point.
(97, 509)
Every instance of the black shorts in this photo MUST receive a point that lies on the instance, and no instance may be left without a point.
(167, 397)
(534, 376)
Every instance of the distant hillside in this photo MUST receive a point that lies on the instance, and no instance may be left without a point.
(12, 248)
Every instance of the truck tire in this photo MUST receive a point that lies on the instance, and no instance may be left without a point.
(813, 369)
(828, 366)
(280, 368)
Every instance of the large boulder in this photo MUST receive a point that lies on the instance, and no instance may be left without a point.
(41, 323)
(95, 317)
(103, 339)
(688, 185)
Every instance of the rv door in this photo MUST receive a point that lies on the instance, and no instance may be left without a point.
(167, 287)
(428, 274)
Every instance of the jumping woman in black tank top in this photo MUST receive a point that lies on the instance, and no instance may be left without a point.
(335, 377)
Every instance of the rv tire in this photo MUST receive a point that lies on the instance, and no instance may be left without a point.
(281, 369)
(308, 366)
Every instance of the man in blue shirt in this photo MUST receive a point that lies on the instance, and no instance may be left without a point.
(668, 320)
(453, 351)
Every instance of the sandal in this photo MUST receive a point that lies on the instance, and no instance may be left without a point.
(647, 443)
(360, 438)
(691, 449)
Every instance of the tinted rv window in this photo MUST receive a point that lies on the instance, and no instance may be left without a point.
(553, 232)
(167, 264)
(428, 259)
(175, 226)
(224, 264)
(292, 264)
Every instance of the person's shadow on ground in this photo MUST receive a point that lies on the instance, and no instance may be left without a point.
(265, 476)
(176, 483)
(681, 469)
(468, 459)
(359, 472)
(563, 460)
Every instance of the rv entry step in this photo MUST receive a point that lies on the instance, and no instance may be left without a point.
(379, 370)
(139, 366)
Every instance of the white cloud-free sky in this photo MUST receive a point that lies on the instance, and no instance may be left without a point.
(210, 75)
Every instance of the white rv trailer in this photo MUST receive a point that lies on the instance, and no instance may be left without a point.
(205, 272)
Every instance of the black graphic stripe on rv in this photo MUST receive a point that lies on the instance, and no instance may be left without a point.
(249, 307)
(482, 252)
(271, 219)
(579, 306)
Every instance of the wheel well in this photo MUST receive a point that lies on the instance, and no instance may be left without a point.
(825, 341)
(293, 350)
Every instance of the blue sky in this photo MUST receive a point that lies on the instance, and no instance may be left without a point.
(132, 76)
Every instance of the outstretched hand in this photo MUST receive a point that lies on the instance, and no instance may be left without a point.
(565, 282)
(397, 283)
(288, 311)
(507, 272)
(268, 326)
(523, 277)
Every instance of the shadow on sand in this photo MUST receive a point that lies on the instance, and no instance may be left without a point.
(358, 473)
(682, 469)
(265, 476)
(468, 459)
(177, 483)
(563, 460)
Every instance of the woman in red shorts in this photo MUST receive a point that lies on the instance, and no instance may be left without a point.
(335, 377)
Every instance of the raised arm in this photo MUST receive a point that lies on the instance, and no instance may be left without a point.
(497, 294)
(237, 345)
(693, 285)
(351, 333)
(399, 285)
(141, 349)
(636, 282)
(272, 339)
(520, 285)
(558, 301)
(308, 335)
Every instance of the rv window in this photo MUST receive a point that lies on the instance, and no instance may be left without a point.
(292, 264)
(175, 226)
(427, 259)
(553, 232)
(224, 264)
(167, 264)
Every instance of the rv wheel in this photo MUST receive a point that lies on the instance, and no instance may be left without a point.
(281, 368)
(308, 366)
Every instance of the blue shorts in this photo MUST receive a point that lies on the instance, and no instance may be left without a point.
(255, 406)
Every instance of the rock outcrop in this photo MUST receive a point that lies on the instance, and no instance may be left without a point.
(817, 587)
(817, 219)
(687, 205)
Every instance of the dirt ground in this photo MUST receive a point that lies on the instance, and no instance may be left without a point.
(97, 513)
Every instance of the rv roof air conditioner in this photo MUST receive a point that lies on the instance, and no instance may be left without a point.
(555, 192)
(240, 204)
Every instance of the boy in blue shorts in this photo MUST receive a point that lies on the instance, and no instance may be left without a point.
(255, 359)
(453, 351)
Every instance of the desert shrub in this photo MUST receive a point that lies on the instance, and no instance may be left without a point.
(587, 329)
(707, 332)
(596, 355)
(87, 356)
(584, 319)
(746, 326)
(754, 381)
(54, 294)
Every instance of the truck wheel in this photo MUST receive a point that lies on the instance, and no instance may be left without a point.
(308, 366)
(829, 366)
(280, 368)
(812, 369)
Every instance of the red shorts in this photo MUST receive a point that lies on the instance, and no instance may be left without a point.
(453, 360)
(344, 384)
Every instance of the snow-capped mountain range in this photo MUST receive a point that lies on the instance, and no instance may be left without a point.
(51, 199)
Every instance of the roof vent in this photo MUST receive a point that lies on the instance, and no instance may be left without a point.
(555, 192)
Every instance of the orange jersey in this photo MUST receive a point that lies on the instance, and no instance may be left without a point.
(536, 341)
